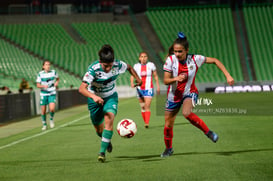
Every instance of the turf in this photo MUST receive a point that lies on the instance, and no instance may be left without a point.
(69, 151)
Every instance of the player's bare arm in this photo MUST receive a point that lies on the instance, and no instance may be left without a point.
(57, 82)
(157, 82)
(134, 74)
(219, 64)
(38, 85)
(83, 90)
(168, 79)
(132, 81)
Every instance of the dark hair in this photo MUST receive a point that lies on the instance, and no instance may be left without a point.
(106, 54)
(44, 63)
(143, 52)
(182, 40)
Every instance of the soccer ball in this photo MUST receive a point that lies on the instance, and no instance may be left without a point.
(127, 128)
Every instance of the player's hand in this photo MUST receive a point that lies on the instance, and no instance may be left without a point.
(230, 80)
(138, 82)
(98, 100)
(158, 91)
(181, 77)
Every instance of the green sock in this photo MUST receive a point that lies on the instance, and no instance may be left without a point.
(43, 119)
(105, 140)
(51, 116)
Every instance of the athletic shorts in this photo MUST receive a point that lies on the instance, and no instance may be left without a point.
(45, 100)
(171, 106)
(97, 111)
(145, 93)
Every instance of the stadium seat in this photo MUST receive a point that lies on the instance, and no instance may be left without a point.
(259, 30)
(53, 43)
(210, 32)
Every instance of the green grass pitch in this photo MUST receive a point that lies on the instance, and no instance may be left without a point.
(69, 151)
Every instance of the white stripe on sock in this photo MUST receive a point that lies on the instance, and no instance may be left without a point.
(105, 140)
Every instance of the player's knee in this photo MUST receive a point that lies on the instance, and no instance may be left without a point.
(186, 113)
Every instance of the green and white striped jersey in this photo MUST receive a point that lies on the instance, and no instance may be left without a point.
(47, 78)
(101, 83)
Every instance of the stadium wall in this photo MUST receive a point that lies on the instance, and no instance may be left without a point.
(15, 107)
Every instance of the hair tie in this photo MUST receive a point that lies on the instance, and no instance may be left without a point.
(181, 35)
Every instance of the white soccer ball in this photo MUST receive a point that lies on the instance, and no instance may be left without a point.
(127, 128)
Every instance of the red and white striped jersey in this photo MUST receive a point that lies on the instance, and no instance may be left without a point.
(145, 72)
(177, 90)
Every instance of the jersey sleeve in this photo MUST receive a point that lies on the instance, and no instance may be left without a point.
(38, 79)
(135, 67)
(56, 75)
(153, 67)
(168, 65)
(122, 67)
(199, 59)
(89, 76)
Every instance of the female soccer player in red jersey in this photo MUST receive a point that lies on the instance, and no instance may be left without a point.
(145, 70)
(180, 71)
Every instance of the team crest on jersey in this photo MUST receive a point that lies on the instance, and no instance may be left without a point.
(114, 71)
(191, 67)
(143, 73)
(99, 74)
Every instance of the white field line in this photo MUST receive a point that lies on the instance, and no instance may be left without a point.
(43, 133)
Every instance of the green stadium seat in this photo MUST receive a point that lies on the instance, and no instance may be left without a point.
(53, 43)
(210, 32)
(259, 30)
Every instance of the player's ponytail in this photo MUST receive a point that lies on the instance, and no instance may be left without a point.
(181, 35)
(182, 40)
(106, 54)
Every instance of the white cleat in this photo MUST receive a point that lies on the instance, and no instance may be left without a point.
(51, 124)
(43, 128)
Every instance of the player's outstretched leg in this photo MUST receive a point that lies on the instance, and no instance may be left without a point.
(105, 142)
(213, 136)
(51, 121)
(101, 157)
(110, 148)
(44, 122)
(168, 152)
(168, 137)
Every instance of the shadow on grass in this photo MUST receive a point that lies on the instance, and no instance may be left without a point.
(144, 158)
(162, 126)
(222, 153)
(77, 125)
(43, 161)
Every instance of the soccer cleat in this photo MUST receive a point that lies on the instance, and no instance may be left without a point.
(110, 147)
(44, 128)
(101, 157)
(146, 126)
(168, 152)
(213, 136)
(51, 124)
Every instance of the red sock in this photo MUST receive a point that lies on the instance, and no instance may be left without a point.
(143, 116)
(168, 137)
(199, 123)
(147, 117)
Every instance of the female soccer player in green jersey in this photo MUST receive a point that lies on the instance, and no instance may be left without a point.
(98, 86)
(47, 80)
